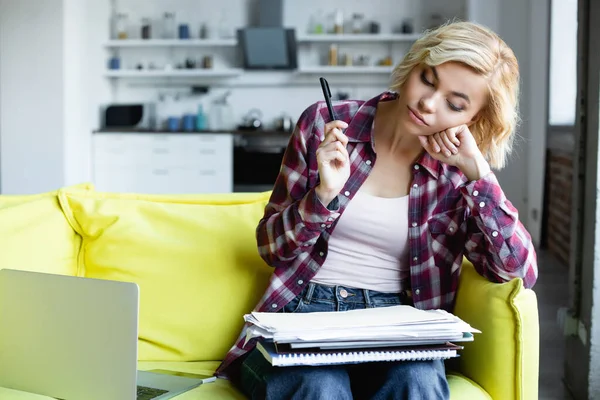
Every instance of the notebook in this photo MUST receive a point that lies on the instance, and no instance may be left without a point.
(287, 357)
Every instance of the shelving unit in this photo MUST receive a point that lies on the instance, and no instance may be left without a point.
(231, 43)
(175, 73)
(171, 43)
(392, 37)
(326, 69)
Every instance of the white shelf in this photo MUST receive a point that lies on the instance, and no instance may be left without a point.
(393, 37)
(177, 73)
(171, 43)
(346, 70)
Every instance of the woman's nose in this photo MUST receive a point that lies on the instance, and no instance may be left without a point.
(427, 104)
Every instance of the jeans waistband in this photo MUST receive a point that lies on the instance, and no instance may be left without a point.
(370, 298)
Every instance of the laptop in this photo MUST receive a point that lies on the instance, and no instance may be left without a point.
(76, 338)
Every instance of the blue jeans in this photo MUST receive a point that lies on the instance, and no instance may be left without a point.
(414, 380)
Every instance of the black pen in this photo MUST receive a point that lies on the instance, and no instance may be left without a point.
(327, 94)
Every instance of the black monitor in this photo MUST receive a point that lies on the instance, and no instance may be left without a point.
(268, 48)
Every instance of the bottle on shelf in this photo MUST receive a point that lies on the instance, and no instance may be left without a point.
(333, 54)
(338, 25)
(146, 28)
(169, 29)
(200, 119)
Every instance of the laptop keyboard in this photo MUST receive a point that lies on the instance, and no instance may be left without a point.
(146, 393)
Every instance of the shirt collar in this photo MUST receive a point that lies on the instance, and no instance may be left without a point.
(360, 128)
(432, 165)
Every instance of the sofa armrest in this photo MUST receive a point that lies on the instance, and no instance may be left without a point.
(504, 358)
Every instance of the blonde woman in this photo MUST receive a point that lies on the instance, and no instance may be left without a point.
(379, 207)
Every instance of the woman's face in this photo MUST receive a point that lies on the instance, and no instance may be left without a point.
(437, 98)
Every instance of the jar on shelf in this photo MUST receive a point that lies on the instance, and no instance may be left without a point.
(317, 23)
(358, 21)
(146, 28)
(338, 25)
(169, 27)
(121, 26)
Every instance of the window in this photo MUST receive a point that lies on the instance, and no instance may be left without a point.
(563, 62)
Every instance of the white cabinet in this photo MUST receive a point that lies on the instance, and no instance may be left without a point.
(163, 163)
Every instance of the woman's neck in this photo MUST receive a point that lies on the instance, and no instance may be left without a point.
(391, 135)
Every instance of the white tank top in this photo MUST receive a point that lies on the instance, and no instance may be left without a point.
(368, 248)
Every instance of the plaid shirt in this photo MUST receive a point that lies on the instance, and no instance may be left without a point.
(448, 218)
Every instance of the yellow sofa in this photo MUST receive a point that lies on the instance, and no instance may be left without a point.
(194, 258)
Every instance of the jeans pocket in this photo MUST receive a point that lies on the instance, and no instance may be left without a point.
(294, 306)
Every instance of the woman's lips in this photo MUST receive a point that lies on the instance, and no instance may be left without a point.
(416, 117)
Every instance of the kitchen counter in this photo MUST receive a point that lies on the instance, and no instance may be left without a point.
(266, 132)
(259, 140)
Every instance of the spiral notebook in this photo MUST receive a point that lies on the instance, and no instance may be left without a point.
(287, 358)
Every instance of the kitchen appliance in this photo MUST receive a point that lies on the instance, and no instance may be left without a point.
(221, 114)
(257, 160)
(268, 48)
(252, 120)
(284, 123)
(140, 116)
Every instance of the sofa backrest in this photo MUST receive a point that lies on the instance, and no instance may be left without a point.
(194, 258)
(35, 236)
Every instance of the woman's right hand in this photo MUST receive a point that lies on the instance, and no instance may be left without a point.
(333, 161)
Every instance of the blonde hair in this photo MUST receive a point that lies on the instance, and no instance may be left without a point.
(482, 50)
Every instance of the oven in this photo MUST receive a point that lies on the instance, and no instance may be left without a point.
(257, 158)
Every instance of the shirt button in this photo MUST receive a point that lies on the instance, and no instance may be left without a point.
(330, 219)
(347, 193)
(344, 293)
(451, 229)
(300, 281)
(368, 162)
(321, 253)
(475, 193)
(415, 259)
(481, 204)
(417, 291)
(323, 225)
(495, 234)
(273, 305)
(416, 166)
(414, 224)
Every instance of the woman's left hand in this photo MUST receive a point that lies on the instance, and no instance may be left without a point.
(457, 147)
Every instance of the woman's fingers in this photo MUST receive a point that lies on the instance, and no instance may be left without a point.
(333, 132)
(438, 144)
(447, 141)
(331, 151)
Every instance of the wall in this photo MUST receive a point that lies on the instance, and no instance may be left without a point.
(31, 96)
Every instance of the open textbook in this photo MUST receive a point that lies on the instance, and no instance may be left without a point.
(375, 334)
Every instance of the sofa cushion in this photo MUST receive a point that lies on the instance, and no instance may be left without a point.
(35, 234)
(503, 359)
(193, 257)
(461, 388)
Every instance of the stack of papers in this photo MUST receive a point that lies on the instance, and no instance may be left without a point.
(394, 326)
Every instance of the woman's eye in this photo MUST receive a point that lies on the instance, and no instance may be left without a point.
(454, 108)
(424, 79)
